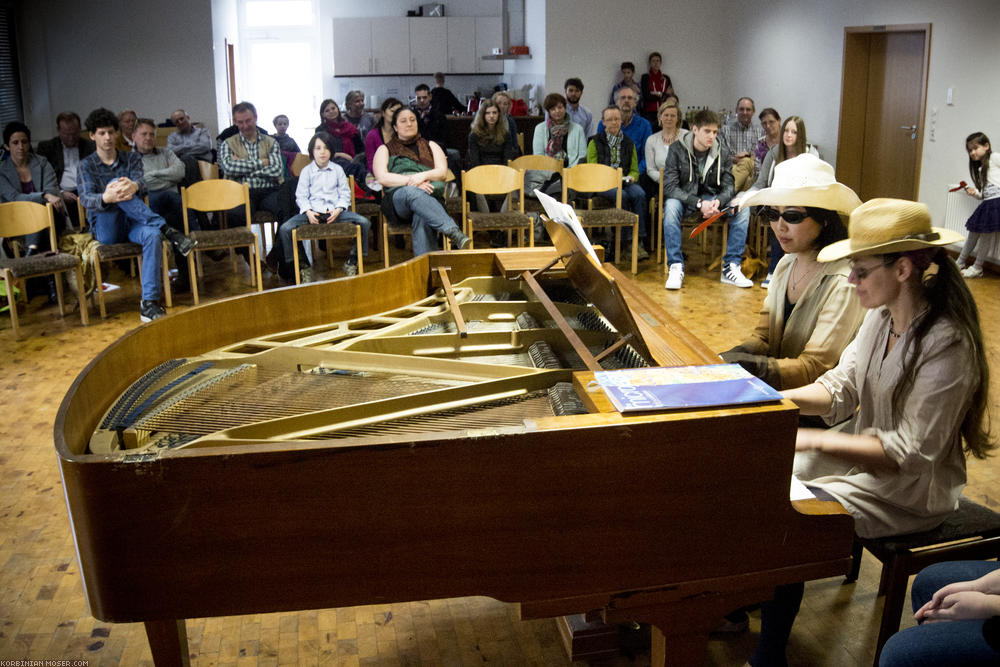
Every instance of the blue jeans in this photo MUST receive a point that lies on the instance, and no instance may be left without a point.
(427, 217)
(285, 233)
(945, 643)
(675, 210)
(134, 221)
(634, 201)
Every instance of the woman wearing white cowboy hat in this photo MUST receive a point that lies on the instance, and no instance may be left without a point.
(913, 385)
(811, 311)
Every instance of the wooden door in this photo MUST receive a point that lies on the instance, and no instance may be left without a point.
(882, 108)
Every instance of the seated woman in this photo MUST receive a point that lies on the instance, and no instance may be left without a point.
(557, 137)
(383, 132)
(333, 122)
(323, 196)
(771, 122)
(26, 176)
(411, 171)
(127, 120)
(811, 312)
(490, 143)
(793, 143)
(658, 145)
(958, 608)
(913, 386)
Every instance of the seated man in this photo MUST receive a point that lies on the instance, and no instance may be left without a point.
(253, 157)
(698, 176)
(190, 144)
(164, 173)
(613, 147)
(740, 136)
(354, 111)
(111, 188)
(64, 153)
(634, 126)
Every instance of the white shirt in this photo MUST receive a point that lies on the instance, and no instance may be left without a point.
(71, 160)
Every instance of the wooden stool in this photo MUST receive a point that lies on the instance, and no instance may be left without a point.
(972, 532)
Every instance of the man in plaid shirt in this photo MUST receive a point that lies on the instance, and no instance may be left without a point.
(111, 187)
(253, 158)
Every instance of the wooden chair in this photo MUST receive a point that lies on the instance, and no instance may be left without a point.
(536, 163)
(972, 532)
(220, 195)
(299, 163)
(596, 178)
(452, 206)
(209, 170)
(128, 251)
(22, 217)
(330, 230)
(495, 179)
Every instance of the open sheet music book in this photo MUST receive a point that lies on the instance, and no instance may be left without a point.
(564, 213)
(645, 389)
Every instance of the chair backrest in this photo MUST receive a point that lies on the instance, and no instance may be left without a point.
(539, 162)
(162, 133)
(492, 179)
(215, 195)
(589, 177)
(208, 170)
(18, 218)
(299, 163)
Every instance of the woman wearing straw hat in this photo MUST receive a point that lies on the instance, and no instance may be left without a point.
(811, 312)
(913, 385)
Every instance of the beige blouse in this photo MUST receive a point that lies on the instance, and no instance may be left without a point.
(923, 439)
(823, 321)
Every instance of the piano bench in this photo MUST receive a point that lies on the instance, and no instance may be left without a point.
(972, 532)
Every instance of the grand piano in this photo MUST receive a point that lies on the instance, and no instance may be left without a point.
(423, 432)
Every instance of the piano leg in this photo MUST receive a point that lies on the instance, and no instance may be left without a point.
(168, 642)
(682, 649)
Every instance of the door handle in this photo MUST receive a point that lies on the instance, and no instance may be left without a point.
(911, 128)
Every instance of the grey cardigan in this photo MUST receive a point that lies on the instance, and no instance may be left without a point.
(42, 174)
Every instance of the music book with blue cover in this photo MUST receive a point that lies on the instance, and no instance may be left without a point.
(646, 389)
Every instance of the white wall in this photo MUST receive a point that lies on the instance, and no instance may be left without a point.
(79, 56)
(806, 81)
(225, 28)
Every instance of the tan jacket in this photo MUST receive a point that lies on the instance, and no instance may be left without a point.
(823, 322)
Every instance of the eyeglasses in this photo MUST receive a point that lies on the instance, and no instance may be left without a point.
(859, 273)
(791, 217)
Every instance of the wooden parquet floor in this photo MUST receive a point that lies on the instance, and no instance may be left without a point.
(44, 615)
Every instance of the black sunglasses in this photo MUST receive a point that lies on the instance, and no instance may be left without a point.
(791, 217)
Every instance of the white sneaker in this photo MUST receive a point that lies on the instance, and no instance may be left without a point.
(675, 276)
(766, 283)
(731, 275)
(973, 272)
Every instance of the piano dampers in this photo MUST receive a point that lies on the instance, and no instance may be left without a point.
(527, 321)
(542, 356)
(564, 401)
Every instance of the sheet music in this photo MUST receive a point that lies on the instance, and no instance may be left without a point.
(564, 213)
(799, 491)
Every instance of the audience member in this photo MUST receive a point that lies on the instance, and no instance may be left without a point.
(503, 100)
(612, 147)
(578, 113)
(559, 137)
(163, 172)
(913, 388)
(490, 141)
(957, 606)
(770, 121)
(813, 311)
(442, 99)
(64, 153)
(338, 127)
(381, 134)
(254, 158)
(658, 144)
(323, 195)
(25, 176)
(354, 113)
(232, 130)
(430, 119)
(189, 141)
(634, 126)
(111, 189)
(126, 122)
(412, 172)
(627, 81)
(285, 142)
(741, 134)
(654, 87)
(699, 177)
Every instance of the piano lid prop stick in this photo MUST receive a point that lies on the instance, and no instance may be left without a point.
(961, 186)
(703, 226)
(552, 263)
(452, 302)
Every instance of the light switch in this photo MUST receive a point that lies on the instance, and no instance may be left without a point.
(949, 97)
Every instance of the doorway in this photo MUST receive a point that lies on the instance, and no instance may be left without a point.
(882, 103)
